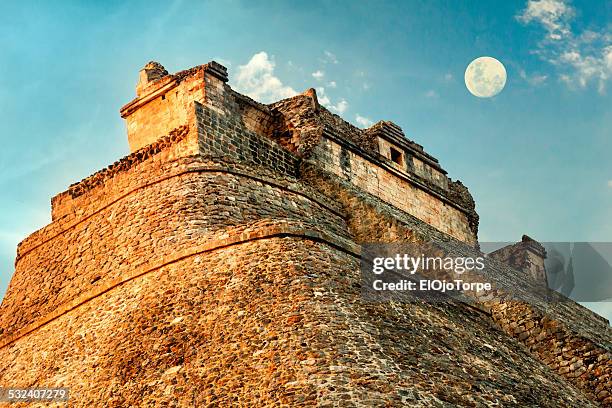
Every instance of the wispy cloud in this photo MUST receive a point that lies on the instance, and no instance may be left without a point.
(257, 80)
(448, 77)
(363, 121)
(610, 183)
(318, 75)
(330, 58)
(533, 79)
(339, 107)
(581, 58)
(322, 96)
(554, 15)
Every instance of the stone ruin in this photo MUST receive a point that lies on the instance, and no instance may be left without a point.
(218, 265)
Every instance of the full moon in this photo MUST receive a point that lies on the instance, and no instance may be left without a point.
(485, 77)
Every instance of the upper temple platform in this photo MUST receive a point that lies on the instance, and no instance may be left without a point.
(180, 113)
(379, 159)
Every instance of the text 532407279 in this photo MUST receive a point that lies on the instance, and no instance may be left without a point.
(16, 394)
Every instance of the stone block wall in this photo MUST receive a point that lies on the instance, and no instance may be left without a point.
(219, 265)
(413, 164)
(527, 256)
(583, 361)
(418, 186)
(166, 109)
(225, 136)
(260, 119)
(389, 136)
(165, 102)
(570, 339)
(266, 134)
(148, 212)
(179, 143)
(273, 318)
(428, 172)
(393, 189)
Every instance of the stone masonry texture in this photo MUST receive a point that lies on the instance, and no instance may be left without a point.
(217, 265)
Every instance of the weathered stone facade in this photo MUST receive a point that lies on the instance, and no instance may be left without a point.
(218, 265)
(527, 256)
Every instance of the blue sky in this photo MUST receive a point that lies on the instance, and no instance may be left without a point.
(535, 157)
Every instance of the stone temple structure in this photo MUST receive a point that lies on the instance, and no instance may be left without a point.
(218, 265)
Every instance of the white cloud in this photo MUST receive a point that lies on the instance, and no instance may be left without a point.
(586, 68)
(581, 59)
(554, 15)
(363, 121)
(318, 75)
(340, 107)
(589, 36)
(448, 77)
(431, 94)
(257, 80)
(330, 58)
(610, 183)
(607, 52)
(322, 96)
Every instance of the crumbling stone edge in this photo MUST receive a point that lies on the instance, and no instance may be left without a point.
(200, 169)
